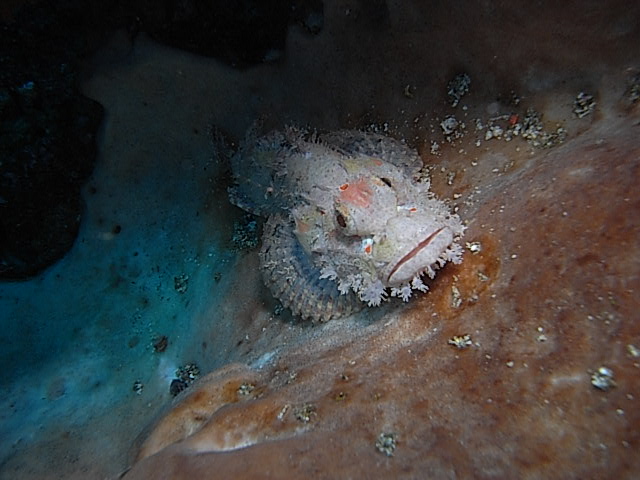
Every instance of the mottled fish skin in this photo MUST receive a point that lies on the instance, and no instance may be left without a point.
(292, 278)
(349, 222)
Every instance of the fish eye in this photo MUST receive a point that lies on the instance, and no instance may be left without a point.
(386, 181)
(341, 220)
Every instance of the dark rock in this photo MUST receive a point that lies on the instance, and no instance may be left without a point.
(160, 344)
(240, 33)
(177, 386)
(47, 142)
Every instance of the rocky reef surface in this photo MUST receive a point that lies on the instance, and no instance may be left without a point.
(521, 361)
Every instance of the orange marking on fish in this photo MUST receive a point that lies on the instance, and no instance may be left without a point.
(344, 186)
(358, 194)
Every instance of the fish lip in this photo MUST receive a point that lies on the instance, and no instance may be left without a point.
(414, 252)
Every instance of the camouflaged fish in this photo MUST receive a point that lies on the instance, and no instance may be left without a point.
(348, 223)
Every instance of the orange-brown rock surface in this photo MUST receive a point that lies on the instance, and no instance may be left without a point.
(543, 306)
(550, 298)
(547, 296)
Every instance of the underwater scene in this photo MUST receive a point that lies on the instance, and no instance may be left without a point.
(319, 239)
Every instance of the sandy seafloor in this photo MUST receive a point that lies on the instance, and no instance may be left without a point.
(76, 337)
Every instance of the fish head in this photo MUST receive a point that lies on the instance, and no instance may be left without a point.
(381, 230)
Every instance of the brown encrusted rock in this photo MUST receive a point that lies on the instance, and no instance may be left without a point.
(218, 389)
(487, 376)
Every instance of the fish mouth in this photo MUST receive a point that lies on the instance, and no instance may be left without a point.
(424, 254)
